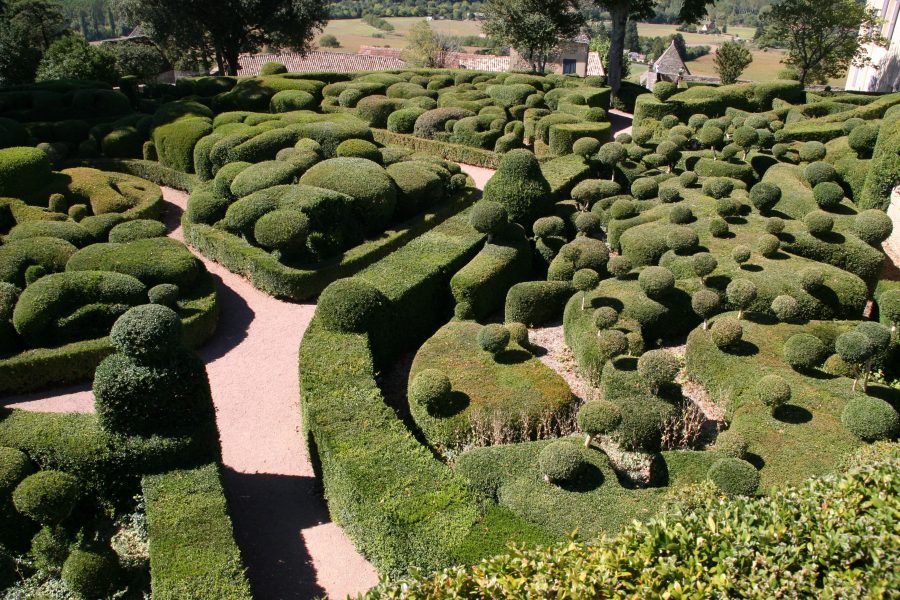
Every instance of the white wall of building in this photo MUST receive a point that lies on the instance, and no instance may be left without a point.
(883, 73)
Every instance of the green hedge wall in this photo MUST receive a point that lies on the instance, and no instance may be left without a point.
(884, 169)
(456, 152)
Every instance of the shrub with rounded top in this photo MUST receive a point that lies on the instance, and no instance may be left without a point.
(726, 332)
(589, 191)
(520, 186)
(89, 574)
(611, 343)
(33, 273)
(351, 305)
(764, 195)
(493, 338)
(819, 172)
(543, 227)
(705, 303)
(828, 194)
(669, 195)
(727, 207)
(818, 222)
(657, 369)
(854, 347)
(888, 305)
(605, 317)
(730, 151)
(586, 146)
(22, 170)
(746, 137)
(774, 225)
(644, 188)
(804, 351)
(680, 215)
(664, 90)
(598, 417)
(165, 294)
(272, 68)
(718, 187)
(780, 151)
(812, 279)
(612, 153)
(773, 391)
(623, 208)
(740, 254)
(585, 279)
(619, 266)
(668, 121)
(359, 149)
(682, 240)
(136, 230)
(518, 333)
(768, 245)
(851, 124)
(872, 226)
(77, 212)
(46, 496)
(878, 335)
(704, 263)
(862, 139)
(835, 365)
(734, 476)
(871, 419)
(718, 227)
(786, 308)
(688, 179)
(812, 151)
(283, 229)
(697, 120)
(430, 389)
(588, 223)
(146, 331)
(731, 443)
(560, 461)
(14, 467)
(656, 282)
(488, 217)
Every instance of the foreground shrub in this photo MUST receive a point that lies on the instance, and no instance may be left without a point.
(734, 476)
(773, 391)
(872, 226)
(89, 574)
(726, 333)
(493, 338)
(804, 351)
(657, 368)
(47, 496)
(430, 389)
(656, 281)
(871, 419)
(520, 186)
(560, 461)
(731, 443)
(351, 306)
(598, 417)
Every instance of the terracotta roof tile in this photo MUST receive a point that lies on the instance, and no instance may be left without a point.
(334, 62)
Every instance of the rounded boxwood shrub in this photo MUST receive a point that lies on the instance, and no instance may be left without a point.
(726, 332)
(727, 207)
(774, 225)
(598, 417)
(489, 217)
(587, 223)
(623, 208)
(89, 574)
(644, 188)
(818, 222)
(862, 139)
(560, 461)
(704, 263)
(828, 194)
(611, 343)
(718, 187)
(819, 172)
(290, 100)
(33, 273)
(812, 151)
(585, 146)
(146, 331)
(718, 227)
(585, 280)
(835, 365)
(589, 191)
(47, 497)
(688, 179)
(285, 230)
(605, 317)
(518, 333)
(403, 120)
(741, 254)
(14, 467)
(870, 419)
(351, 305)
(657, 369)
(619, 266)
(430, 389)
(165, 294)
(520, 186)
(263, 175)
(74, 233)
(679, 215)
(669, 195)
(768, 245)
(359, 149)
(272, 68)
(656, 282)
(543, 227)
(888, 306)
(812, 279)
(136, 230)
(872, 226)
(734, 476)
(764, 196)
(786, 308)
(705, 303)
(23, 170)
(493, 338)
(682, 240)
(804, 351)
(773, 391)
(731, 444)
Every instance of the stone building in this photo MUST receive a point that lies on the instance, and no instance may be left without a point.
(882, 74)
(668, 67)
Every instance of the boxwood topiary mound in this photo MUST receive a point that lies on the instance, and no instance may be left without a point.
(351, 305)
(735, 477)
(520, 186)
(560, 462)
(47, 497)
(871, 419)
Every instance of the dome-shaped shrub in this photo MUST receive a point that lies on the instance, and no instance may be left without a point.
(520, 186)
(774, 225)
(46, 496)
(598, 417)
(705, 303)
(871, 419)
(284, 229)
(741, 293)
(741, 254)
(22, 170)
(586, 146)
(623, 208)
(543, 227)
(14, 467)
(862, 139)
(657, 369)
(669, 195)
(619, 266)
(430, 389)
(493, 338)
(773, 391)
(818, 222)
(734, 476)
(588, 223)
(718, 187)
(764, 196)
(488, 217)
(136, 230)
(589, 191)
(727, 207)
(786, 308)
(351, 305)
(704, 263)
(688, 179)
(585, 279)
(872, 226)
(812, 151)
(731, 444)
(605, 317)
(726, 332)
(656, 282)
(718, 227)
(812, 279)
(146, 332)
(768, 245)
(819, 172)
(359, 149)
(682, 240)
(644, 188)
(518, 333)
(828, 194)
(804, 351)
(88, 574)
(165, 294)
(560, 461)
(679, 215)
(610, 344)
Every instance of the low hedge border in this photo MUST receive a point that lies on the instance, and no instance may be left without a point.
(193, 553)
(456, 152)
(43, 367)
(146, 169)
(268, 274)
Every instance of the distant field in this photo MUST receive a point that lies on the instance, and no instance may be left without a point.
(694, 39)
(765, 67)
(353, 33)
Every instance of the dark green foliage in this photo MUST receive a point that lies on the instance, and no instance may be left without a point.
(735, 477)
(586, 146)
(351, 306)
(284, 230)
(718, 187)
(520, 186)
(623, 208)
(71, 232)
(872, 226)
(657, 369)
(290, 100)
(773, 391)
(764, 196)
(818, 223)
(488, 217)
(889, 306)
(786, 308)
(718, 227)
(14, 467)
(828, 194)
(598, 417)
(726, 332)
(774, 225)
(741, 254)
(136, 230)
(682, 240)
(619, 266)
(146, 332)
(50, 547)
(656, 282)
(731, 443)
(165, 294)
(151, 261)
(560, 461)
(669, 194)
(804, 351)
(679, 214)
(644, 188)
(22, 170)
(862, 139)
(819, 172)
(536, 302)
(589, 224)
(431, 389)
(812, 279)
(605, 317)
(705, 303)
(812, 151)
(562, 136)
(264, 175)
(175, 142)
(371, 187)
(871, 419)
(432, 122)
(518, 334)
(704, 263)
(89, 574)
(272, 68)
(545, 226)
(664, 90)
(768, 245)
(47, 497)
(585, 279)
(493, 338)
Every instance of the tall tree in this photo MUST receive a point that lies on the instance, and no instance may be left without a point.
(533, 27)
(226, 28)
(426, 48)
(27, 29)
(730, 61)
(691, 11)
(72, 57)
(824, 37)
